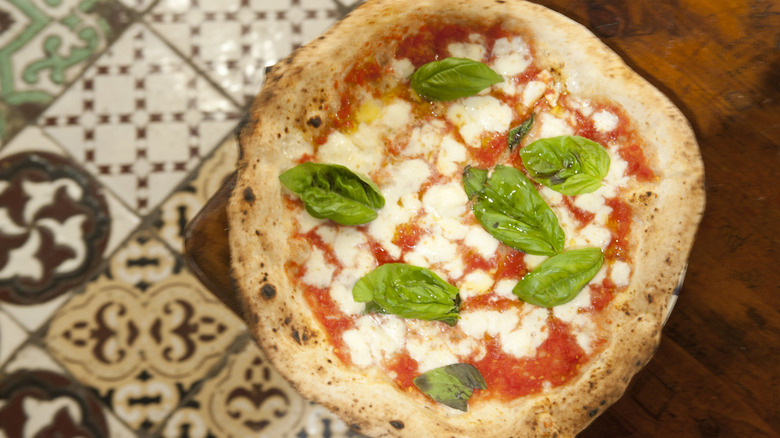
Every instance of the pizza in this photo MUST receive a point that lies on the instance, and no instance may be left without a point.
(461, 218)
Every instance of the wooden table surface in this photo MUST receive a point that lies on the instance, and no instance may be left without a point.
(717, 371)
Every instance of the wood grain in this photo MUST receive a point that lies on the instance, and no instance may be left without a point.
(717, 372)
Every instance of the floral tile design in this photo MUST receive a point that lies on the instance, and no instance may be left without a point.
(38, 399)
(174, 215)
(140, 119)
(248, 398)
(56, 225)
(143, 334)
(44, 45)
(116, 127)
(233, 41)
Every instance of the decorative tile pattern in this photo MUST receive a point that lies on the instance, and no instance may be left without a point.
(142, 335)
(98, 226)
(233, 41)
(54, 226)
(248, 398)
(37, 399)
(12, 335)
(182, 206)
(44, 45)
(116, 121)
(140, 119)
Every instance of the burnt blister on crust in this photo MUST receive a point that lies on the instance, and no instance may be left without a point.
(249, 196)
(397, 424)
(268, 291)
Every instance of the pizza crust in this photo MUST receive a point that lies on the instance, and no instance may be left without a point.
(292, 105)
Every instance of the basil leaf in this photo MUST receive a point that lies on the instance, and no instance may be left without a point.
(331, 191)
(511, 210)
(451, 385)
(519, 132)
(451, 78)
(560, 278)
(409, 292)
(474, 180)
(568, 164)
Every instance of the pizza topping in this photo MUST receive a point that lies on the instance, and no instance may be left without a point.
(511, 210)
(570, 165)
(558, 279)
(409, 292)
(451, 385)
(453, 78)
(331, 191)
(471, 261)
(519, 132)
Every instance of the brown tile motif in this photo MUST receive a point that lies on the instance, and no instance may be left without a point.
(11, 336)
(249, 398)
(176, 212)
(234, 41)
(37, 403)
(44, 45)
(54, 226)
(142, 335)
(140, 119)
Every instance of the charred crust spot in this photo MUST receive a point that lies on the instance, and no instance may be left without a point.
(650, 298)
(245, 121)
(355, 427)
(287, 321)
(257, 233)
(593, 412)
(296, 336)
(268, 291)
(314, 122)
(249, 196)
(397, 424)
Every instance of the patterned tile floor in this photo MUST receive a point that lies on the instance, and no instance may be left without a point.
(116, 121)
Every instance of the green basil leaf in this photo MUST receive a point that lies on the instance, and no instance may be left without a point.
(559, 279)
(331, 191)
(451, 78)
(409, 292)
(474, 180)
(569, 164)
(519, 132)
(451, 385)
(511, 210)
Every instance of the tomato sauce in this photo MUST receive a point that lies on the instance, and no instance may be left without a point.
(620, 224)
(583, 217)
(331, 317)
(637, 162)
(557, 360)
(405, 369)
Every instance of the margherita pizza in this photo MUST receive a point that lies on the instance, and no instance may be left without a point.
(461, 218)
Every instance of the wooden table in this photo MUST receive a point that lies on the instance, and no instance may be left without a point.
(717, 372)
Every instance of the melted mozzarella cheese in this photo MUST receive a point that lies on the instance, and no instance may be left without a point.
(476, 115)
(446, 200)
(532, 92)
(621, 273)
(474, 284)
(605, 121)
(374, 338)
(553, 126)
(512, 56)
(479, 239)
(319, 272)
(401, 202)
(519, 335)
(450, 157)
(473, 51)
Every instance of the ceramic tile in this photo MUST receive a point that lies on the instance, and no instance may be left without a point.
(38, 399)
(44, 45)
(249, 398)
(140, 119)
(144, 334)
(233, 41)
(12, 335)
(56, 225)
(184, 204)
